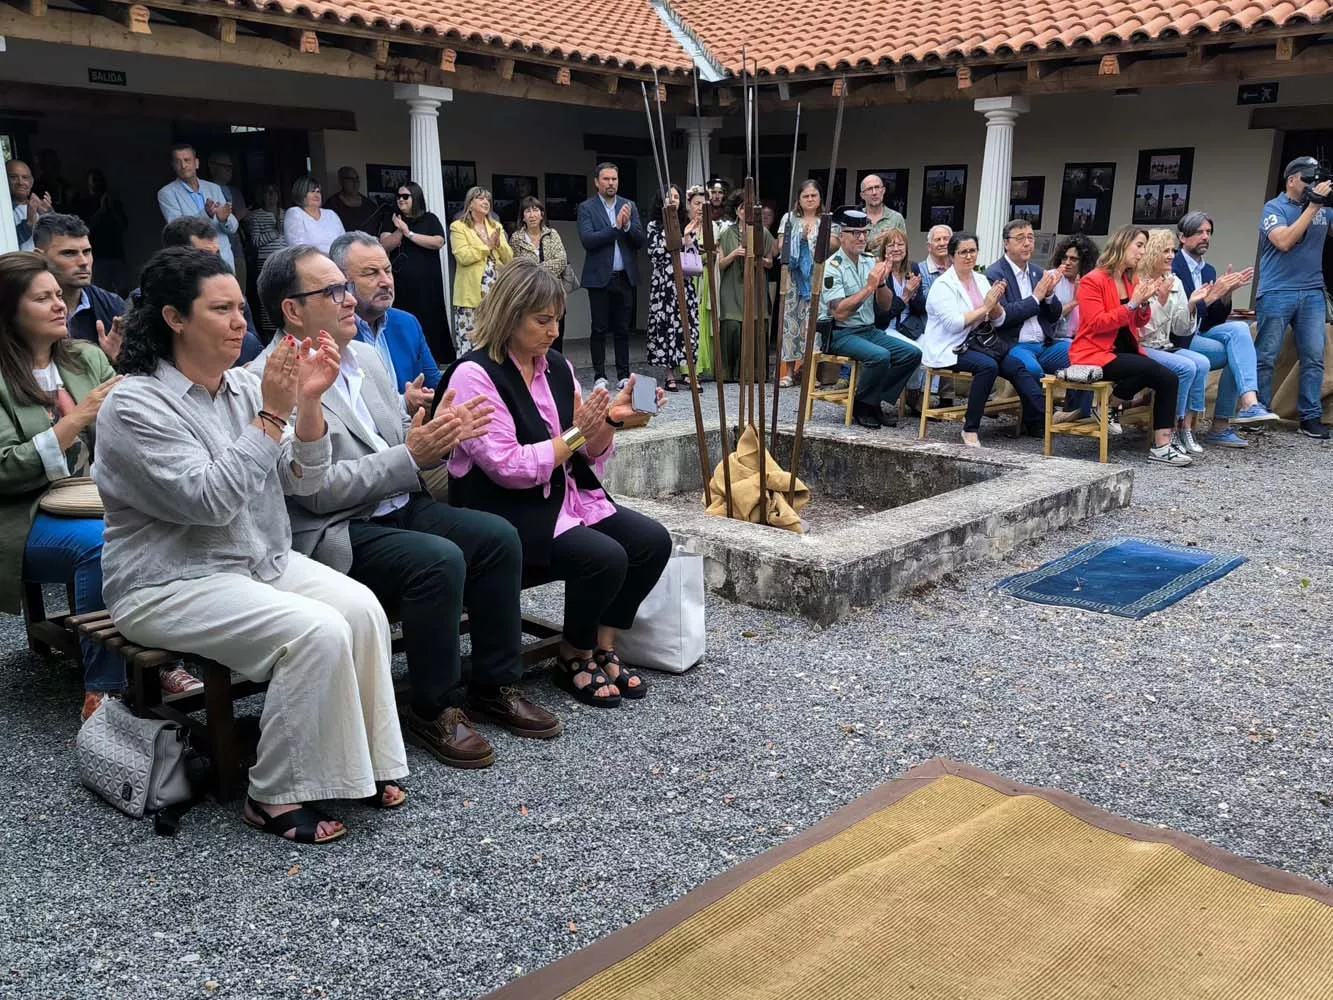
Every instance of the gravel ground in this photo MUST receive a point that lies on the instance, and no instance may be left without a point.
(1211, 717)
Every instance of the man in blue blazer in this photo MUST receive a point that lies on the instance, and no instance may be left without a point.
(611, 234)
(188, 194)
(395, 334)
(1225, 342)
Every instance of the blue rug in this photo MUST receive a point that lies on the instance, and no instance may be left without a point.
(1130, 577)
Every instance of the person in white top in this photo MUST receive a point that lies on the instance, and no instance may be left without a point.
(306, 222)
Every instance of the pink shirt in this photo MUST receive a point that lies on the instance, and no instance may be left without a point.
(523, 466)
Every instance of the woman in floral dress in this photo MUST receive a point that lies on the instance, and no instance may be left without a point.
(666, 345)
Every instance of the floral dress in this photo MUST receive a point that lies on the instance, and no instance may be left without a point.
(666, 346)
(796, 312)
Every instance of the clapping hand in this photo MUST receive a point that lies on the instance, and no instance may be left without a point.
(86, 411)
(400, 224)
(877, 274)
(317, 366)
(1203, 292)
(1163, 291)
(1046, 285)
(995, 293)
(429, 441)
(221, 211)
(910, 289)
(210, 207)
(111, 342)
(1144, 291)
(416, 395)
(623, 216)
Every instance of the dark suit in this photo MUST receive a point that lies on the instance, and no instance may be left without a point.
(1039, 357)
(610, 289)
(1225, 342)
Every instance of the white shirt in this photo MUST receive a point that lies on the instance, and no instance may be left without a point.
(1196, 269)
(1031, 331)
(21, 215)
(349, 382)
(298, 227)
(48, 447)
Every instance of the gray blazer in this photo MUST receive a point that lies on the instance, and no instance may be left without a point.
(360, 477)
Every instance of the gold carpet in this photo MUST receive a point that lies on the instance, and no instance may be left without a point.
(953, 883)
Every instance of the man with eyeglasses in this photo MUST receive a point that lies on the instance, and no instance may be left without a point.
(852, 283)
(356, 211)
(373, 520)
(880, 216)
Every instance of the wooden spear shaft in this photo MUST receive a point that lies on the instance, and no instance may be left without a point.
(710, 268)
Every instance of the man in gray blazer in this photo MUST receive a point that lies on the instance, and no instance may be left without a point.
(188, 194)
(424, 560)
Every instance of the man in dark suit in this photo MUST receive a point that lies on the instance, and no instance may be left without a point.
(611, 234)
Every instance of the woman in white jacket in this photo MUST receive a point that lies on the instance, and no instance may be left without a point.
(1174, 322)
(959, 302)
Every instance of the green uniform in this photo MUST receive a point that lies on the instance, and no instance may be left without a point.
(842, 278)
(731, 305)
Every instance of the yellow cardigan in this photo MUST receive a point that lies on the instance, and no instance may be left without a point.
(470, 253)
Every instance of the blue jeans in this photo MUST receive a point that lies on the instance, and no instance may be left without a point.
(1229, 345)
(1046, 359)
(1191, 370)
(1305, 313)
(887, 363)
(63, 548)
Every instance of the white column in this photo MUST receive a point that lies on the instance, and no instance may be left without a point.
(997, 169)
(423, 103)
(9, 238)
(698, 136)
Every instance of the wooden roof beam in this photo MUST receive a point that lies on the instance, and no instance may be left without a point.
(1291, 46)
(1040, 69)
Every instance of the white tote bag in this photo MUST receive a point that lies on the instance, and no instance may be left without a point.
(668, 632)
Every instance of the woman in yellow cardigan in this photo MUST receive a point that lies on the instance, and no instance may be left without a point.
(480, 250)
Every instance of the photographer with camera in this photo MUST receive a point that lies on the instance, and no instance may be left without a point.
(1291, 284)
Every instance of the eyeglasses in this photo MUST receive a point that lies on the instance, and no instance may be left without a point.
(970, 252)
(405, 197)
(1024, 238)
(1073, 258)
(338, 293)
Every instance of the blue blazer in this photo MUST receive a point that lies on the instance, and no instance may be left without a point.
(1018, 309)
(174, 201)
(1209, 316)
(407, 346)
(599, 238)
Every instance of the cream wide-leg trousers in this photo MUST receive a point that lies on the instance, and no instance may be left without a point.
(329, 729)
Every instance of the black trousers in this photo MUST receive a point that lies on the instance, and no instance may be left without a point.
(612, 311)
(608, 570)
(1132, 373)
(428, 561)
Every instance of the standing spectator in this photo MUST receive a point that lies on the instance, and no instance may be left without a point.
(51, 180)
(221, 172)
(537, 241)
(107, 222)
(264, 232)
(1291, 286)
(190, 195)
(881, 217)
(413, 241)
(718, 192)
(93, 313)
(695, 198)
(666, 340)
(1113, 309)
(612, 234)
(480, 250)
(28, 204)
(1225, 342)
(731, 251)
(797, 233)
(358, 213)
(308, 222)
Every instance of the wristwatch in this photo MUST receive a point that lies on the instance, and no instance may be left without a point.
(573, 438)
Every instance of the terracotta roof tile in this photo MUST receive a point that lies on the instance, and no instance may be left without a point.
(796, 35)
(623, 33)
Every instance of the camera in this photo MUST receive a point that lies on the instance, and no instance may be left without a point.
(1312, 174)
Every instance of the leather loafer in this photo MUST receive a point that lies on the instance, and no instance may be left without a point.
(449, 738)
(867, 416)
(507, 707)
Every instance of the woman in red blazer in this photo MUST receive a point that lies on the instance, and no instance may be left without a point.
(1113, 307)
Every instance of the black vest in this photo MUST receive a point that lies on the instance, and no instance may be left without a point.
(530, 510)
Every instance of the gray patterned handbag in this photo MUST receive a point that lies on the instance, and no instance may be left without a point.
(138, 765)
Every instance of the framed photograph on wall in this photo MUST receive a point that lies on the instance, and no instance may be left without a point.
(382, 180)
(944, 196)
(459, 175)
(1085, 198)
(508, 190)
(895, 187)
(564, 193)
(1162, 185)
(1026, 197)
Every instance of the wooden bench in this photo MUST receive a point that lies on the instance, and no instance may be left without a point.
(217, 732)
(47, 636)
(962, 383)
(845, 398)
(1098, 427)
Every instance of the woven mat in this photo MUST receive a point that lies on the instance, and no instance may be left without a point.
(952, 882)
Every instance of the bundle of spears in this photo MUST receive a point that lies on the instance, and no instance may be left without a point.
(752, 485)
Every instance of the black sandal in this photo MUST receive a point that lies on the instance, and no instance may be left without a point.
(304, 822)
(377, 800)
(671, 385)
(621, 682)
(567, 669)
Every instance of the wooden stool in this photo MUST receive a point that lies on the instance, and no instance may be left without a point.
(1100, 428)
(47, 636)
(962, 382)
(845, 398)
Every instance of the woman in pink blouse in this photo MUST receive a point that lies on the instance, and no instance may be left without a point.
(539, 467)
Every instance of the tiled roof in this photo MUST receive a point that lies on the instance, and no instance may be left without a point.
(624, 33)
(801, 36)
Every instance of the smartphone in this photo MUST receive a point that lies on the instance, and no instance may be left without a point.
(645, 394)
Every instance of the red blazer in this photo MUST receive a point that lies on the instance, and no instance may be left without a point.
(1100, 317)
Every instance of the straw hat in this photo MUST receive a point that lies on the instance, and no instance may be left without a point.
(76, 496)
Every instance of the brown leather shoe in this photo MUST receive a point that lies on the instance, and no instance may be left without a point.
(449, 737)
(92, 701)
(507, 707)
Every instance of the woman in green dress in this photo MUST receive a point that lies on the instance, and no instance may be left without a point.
(703, 358)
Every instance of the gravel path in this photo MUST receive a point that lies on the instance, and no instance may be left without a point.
(1211, 717)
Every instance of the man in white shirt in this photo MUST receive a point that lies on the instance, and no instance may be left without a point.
(28, 205)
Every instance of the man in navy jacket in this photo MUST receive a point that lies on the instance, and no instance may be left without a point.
(611, 234)
(64, 241)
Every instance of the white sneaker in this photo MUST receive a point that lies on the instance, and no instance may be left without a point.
(1169, 454)
(1112, 425)
(600, 383)
(1184, 440)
